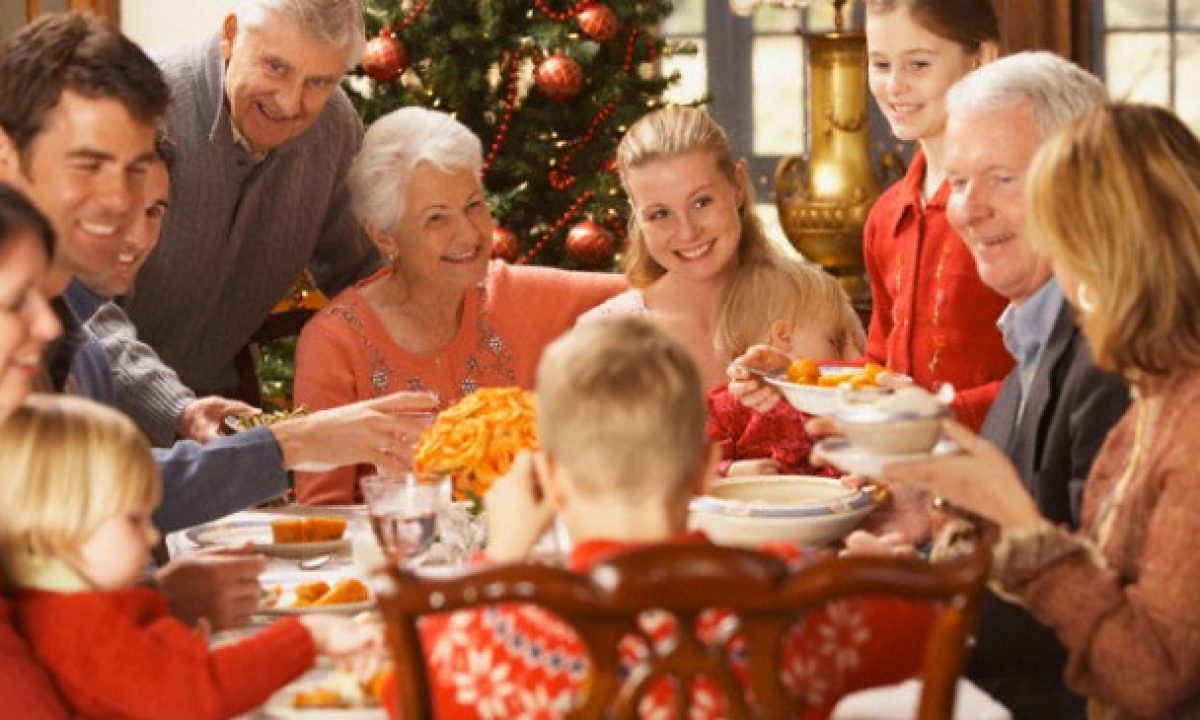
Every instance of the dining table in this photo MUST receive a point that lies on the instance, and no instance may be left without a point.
(355, 557)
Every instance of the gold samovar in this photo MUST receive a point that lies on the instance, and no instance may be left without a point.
(823, 200)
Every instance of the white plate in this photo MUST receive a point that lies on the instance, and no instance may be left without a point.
(810, 399)
(258, 534)
(859, 461)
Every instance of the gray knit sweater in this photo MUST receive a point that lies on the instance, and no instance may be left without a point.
(238, 233)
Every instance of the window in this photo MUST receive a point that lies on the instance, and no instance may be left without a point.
(1149, 51)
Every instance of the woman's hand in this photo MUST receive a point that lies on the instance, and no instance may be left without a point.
(757, 466)
(866, 544)
(980, 479)
(518, 512)
(749, 388)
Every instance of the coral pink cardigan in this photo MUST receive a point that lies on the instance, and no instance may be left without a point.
(345, 354)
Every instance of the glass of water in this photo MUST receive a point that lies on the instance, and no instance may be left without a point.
(403, 514)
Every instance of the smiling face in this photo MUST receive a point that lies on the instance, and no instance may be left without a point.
(987, 156)
(688, 212)
(141, 237)
(445, 233)
(26, 321)
(909, 71)
(115, 555)
(87, 172)
(277, 79)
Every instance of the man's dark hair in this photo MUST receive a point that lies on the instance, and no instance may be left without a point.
(77, 52)
(164, 149)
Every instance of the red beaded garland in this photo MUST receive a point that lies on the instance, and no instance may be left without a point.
(564, 15)
(561, 178)
(558, 225)
(510, 103)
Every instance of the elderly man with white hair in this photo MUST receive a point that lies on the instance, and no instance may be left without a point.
(265, 137)
(1055, 408)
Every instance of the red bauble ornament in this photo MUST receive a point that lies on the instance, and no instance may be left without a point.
(505, 245)
(590, 245)
(559, 78)
(384, 57)
(599, 22)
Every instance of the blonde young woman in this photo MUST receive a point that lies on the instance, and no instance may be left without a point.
(1115, 204)
(693, 223)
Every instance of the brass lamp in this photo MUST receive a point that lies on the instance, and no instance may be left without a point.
(823, 199)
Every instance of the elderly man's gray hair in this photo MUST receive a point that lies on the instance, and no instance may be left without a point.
(335, 22)
(393, 146)
(1058, 90)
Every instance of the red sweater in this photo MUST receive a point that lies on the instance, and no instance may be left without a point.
(933, 318)
(120, 655)
(521, 661)
(23, 684)
(744, 434)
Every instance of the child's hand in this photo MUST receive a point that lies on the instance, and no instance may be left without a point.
(353, 646)
(757, 466)
(518, 512)
(749, 388)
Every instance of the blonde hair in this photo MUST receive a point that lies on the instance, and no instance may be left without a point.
(1115, 202)
(620, 406)
(69, 465)
(788, 289)
(668, 133)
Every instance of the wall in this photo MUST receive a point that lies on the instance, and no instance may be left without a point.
(155, 24)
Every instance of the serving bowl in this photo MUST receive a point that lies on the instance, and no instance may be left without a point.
(756, 509)
(817, 400)
(868, 422)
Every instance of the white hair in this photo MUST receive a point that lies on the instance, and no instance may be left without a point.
(1057, 90)
(334, 22)
(393, 146)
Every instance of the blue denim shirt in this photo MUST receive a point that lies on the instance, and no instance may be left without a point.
(1026, 329)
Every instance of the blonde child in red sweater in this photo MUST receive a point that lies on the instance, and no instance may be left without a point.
(800, 310)
(78, 491)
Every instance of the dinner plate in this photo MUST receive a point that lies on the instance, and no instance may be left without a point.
(258, 534)
(859, 461)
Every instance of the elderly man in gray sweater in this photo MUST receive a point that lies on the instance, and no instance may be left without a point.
(265, 136)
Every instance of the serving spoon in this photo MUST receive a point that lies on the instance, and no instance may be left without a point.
(317, 561)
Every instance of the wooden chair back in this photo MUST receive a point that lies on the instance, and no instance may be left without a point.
(603, 606)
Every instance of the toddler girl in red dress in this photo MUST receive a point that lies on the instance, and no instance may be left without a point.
(78, 491)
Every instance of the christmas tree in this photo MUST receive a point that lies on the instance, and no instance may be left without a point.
(549, 86)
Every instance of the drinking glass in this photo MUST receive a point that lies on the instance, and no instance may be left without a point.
(403, 513)
(415, 423)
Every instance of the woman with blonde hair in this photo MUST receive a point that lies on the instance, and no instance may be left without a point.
(1115, 204)
(692, 225)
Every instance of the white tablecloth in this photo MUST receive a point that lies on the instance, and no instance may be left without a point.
(899, 702)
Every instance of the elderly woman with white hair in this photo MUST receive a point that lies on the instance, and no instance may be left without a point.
(441, 316)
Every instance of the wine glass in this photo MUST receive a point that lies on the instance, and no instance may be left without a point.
(403, 514)
(415, 423)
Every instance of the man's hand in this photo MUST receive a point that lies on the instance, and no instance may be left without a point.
(518, 512)
(362, 432)
(203, 419)
(220, 584)
(749, 388)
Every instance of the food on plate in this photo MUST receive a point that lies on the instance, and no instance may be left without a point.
(476, 439)
(309, 529)
(264, 419)
(318, 594)
(342, 691)
(806, 371)
(344, 592)
(910, 400)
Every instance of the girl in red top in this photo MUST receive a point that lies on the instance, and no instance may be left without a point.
(933, 318)
(798, 309)
(78, 490)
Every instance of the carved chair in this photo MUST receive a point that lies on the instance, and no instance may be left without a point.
(603, 606)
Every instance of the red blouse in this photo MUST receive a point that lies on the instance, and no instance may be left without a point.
(933, 318)
(519, 661)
